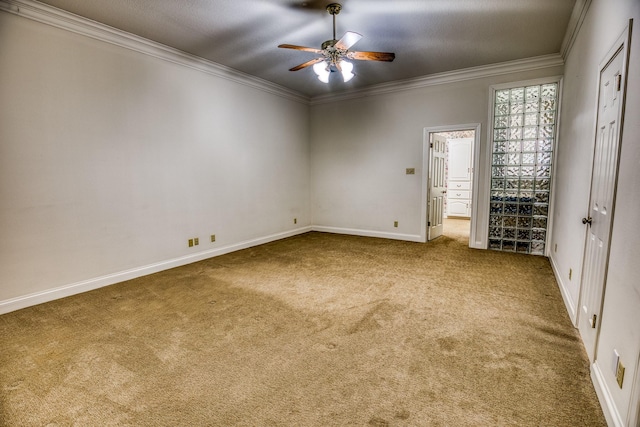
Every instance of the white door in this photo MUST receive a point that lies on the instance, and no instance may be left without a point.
(603, 184)
(437, 186)
(460, 159)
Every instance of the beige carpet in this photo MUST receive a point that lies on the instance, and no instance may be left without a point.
(314, 330)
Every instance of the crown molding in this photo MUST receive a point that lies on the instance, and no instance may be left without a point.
(55, 17)
(578, 14)
(519, 65)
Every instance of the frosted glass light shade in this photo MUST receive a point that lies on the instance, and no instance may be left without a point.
(347, 68)
(322, 71)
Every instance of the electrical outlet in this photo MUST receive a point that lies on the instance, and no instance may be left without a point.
(295, 220)
(213, 238)
(620, 374)
(395, 223)
(190, 243)
(196, 241)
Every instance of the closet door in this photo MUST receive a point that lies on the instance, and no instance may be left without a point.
(460, 159)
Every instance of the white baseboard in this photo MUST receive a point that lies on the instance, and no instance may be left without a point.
(368, 233)
(604, 396)
(568, 302)
(25, 301)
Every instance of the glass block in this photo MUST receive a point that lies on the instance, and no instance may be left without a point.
(502, 109)
(528, 158)
(495, 232)
(499, 147)
(539, 222)
(517, 94)
(546, 132)
(528, 145)
(502, 95)
(510, 209)
(497, 195)
(501, 122)
(515, 133)
(498, 171)
(527, 171)
(526, 196)
(543, 171)
(530, 132)
(495, 208)
(532, 92)
(543, 158)
(547, 105)
(524, 234)
(511, 195)
(525, 209)
(542, 197)
(549, 90)
(495, 244)
(513, 171)
(543, 184)
(495, 221)
(516, 120)
(532, 106)
(508, 245)
(514, 146)
(509, 221)
(531, 119)
(545, 144)
(508, 233)
(497, 183)
(524, 222)
(499, 159)
(516, 108)
(548, 117)
(541, 210)
(500, 134)
(523, 247)
(526, 184)
(538, 234)
(512, 184)
(537, 248)
(513, 159)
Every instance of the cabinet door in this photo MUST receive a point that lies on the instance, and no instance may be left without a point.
(457, 207)
(460, 159)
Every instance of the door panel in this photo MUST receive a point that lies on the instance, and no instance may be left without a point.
(599, 219)
(437, 187)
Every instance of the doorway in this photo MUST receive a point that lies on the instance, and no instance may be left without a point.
(449, 201)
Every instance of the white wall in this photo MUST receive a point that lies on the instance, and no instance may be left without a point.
(110, 160)
(361, 147)
(620, 328)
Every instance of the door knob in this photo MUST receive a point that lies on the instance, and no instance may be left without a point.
(587, 220)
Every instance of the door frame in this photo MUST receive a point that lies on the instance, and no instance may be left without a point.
(426, 155)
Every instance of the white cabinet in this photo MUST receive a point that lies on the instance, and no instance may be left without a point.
(459, 177)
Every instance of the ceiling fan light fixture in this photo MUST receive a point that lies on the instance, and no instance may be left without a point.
(322, 71)
(346, 68)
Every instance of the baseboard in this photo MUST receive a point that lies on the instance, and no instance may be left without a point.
(368, 233)
(604, 396)
(568, 302)
(25, 301)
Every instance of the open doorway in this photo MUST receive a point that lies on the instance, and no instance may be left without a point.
(450, 188)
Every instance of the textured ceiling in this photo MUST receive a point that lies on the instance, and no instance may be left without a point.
(427, 36)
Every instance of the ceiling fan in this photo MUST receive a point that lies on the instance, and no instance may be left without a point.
(333, 53)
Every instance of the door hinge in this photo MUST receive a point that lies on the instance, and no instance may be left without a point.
(428, 223)
(618, 82)
(593, 320)
(431, 145)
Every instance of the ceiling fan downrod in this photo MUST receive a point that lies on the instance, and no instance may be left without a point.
(334, 9)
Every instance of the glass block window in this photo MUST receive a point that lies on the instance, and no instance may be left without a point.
(523, 138)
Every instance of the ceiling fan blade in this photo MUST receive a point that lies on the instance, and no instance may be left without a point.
(304, 48)
(306, 64)
(372, 56)
(349, 39)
